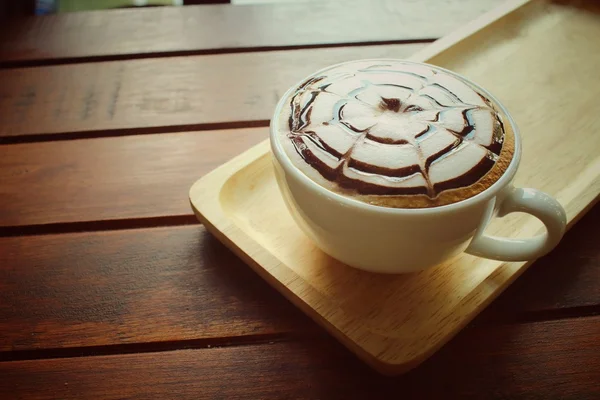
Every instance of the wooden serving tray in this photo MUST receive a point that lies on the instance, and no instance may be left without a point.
(541, 60)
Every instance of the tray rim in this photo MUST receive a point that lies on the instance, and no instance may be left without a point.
(209, 208)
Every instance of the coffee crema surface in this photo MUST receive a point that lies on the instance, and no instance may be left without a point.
(395, 134)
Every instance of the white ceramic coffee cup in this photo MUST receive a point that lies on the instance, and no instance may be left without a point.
(396, 240)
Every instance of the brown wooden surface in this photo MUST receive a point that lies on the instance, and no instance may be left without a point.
(193, 30)
(192, 288)
(168, 285)
(109, 288)
(111, 178)
(496, 362)
(141, 96)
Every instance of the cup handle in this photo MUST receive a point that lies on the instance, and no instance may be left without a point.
(531, 201)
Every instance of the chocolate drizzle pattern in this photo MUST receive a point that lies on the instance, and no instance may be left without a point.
(394, 129)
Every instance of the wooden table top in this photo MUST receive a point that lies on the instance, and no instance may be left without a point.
(110, 288)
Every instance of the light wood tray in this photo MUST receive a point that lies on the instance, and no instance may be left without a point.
(541, 60)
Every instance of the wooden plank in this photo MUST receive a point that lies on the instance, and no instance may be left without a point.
(177, 93)
(223, 28)
(130, 287)
(547, 360)
(111, 178)
(107, 288)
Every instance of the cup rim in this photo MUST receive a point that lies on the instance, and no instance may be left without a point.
(291, 168)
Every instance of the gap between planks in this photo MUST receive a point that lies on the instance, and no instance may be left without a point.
(98, 226)
(316, 336)
(19, 64)
(108, 133)
(152, 347)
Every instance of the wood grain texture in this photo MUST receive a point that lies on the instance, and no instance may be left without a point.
(240, 201)
(142, 95)
(132, 287)
(222, 28)
(491, 363)
(158, 287)
(110, 178)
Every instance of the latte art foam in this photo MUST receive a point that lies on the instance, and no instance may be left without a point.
(395, 133)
